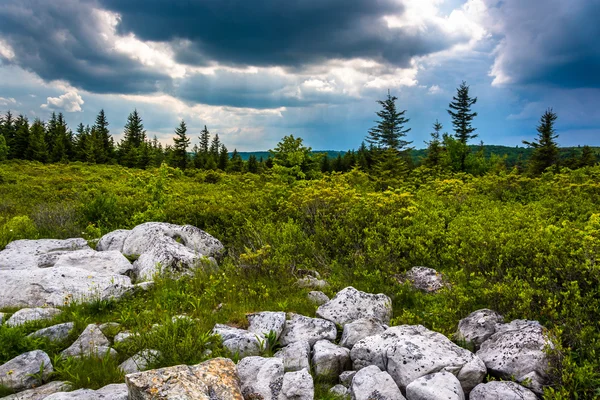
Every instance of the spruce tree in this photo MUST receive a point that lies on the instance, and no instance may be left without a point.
(545, 153)
(107, 146)
(252, 165)
(181, 143)
(21, 139)
(3, 148)
(204, 140)
(462, 118)
(325, 164)
(223, 158)
(7, 129)
(236, 163)
(389, 131)
(588, 158)
(434, 146)
(61, 137)
(133, 139)
(37, 149)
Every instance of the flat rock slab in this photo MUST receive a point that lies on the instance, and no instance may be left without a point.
(213, 379)
(34, 254)
(372, 383)
(55, 333)
(478, 326)
(350, 304)
(438, 386)
(26, 315)
(105, 262)
(39, 393)
(23, 372)
(299, 328)
(504, 390)
(116, 391)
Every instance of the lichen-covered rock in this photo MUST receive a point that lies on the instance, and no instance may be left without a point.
(518, 351)
(91, 342)
(25, 315)
(40, 392)
(439, 386)
(23, 372)
(311, 283)
(350, 304)
(113, 240)
(33, 254)
(295, 356)
(504, 390)
(213, 379)
(116, 391)
(140, 361)
(360, 329)
(346, 378)
(55, 333)
(299, 327)
(239, 341)
(478, 326)
(297, 385)
(340, 391)
(424, 278)
(122, 336)
(106, 262)
(317, 297)
(262, 323)
(330, 360)
(261, 378)
(59, 286)
(408, 352)
(371, 383)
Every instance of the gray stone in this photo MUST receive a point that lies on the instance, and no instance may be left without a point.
(105, 262)
(408, 352)
(518, 351)
(317, 297)
(330, 360)
(40, 392)
(295, 356)
(211, 380)
(350, 304)
(340, 391)
(346, 378)
(113, 240)
(360, 329)
(55, 333)
(116, 391)
(33, 254)
(299, 327)
(504, 390)
(311, 283)
(297, 385)
(23, 372)
(423, 278)
(439, 386)
(59, 286)
(122, 336)
(91, 342)
(238, 341)
(371, 383)
(26, 315)
(140, 361)
(264, 322)
(478, 326)
(261, 378)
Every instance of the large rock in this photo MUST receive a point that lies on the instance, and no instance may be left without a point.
(438, 386)
(55, 333)
(59, 286)
(360, 329)
(478, 326)
(239, 341)
(297, 385)
(34, 254)
(424, 278)
(23, 372)
(40, 392)
(32, 314)
(330, 360)
(350, 304)
(113, 240)
(265, 322)
(409, 352)
(299, 327)
(295, 356)
(261, 378)
(518, 351)
(104, 262)
(371, 383)
(91, 342)
(213, 379)
(139, 361)
(504, 390)
(116, 391)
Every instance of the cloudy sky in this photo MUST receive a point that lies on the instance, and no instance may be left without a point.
(254, 71)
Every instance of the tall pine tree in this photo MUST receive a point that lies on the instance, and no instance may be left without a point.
(179, 157)
(37, 150)
(545, 150)
(462, 118)
(105, 152)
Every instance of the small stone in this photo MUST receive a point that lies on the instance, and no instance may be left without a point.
(478, 326)
(297, 385)
(265, 322)
(261, 378)
(350, 304)
(238, 341)
(340, 391)
(23, 372)
(91, 342)
(140, 361)
(330, 360)
(439, 386)
(346, 378)
(123, 336)
(55, 333)
(25, 315)
(371, 383)
(318, 297)
(312, 283)
(295, 356)
(423, 278)
(360, 329)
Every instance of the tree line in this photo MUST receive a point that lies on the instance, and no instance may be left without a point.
(385, 152)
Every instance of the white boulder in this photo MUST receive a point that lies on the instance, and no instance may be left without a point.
(299, 327)
(350, 304)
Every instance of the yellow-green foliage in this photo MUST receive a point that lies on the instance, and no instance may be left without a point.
(525, 247)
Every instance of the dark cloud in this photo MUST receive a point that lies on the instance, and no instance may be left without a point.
(276, 32)
(548, 42)
(62, 39)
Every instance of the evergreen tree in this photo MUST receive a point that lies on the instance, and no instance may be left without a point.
(144, 155)
(7, 129)
(215, 147)
(204, 140)
(236, 163)
(37, 149)
(61, 137)
(389, 131)
(588, 158)
(157, 155)
(223, 158)
(545, 153)
(252, 164)
(338, 164)
(325, 164)
(134, 137)
(134, 132)
(462, 118)
(81, 142)
(434, 146)
(106, 150)
(21, 138)
(3, 148)
(181, 143)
